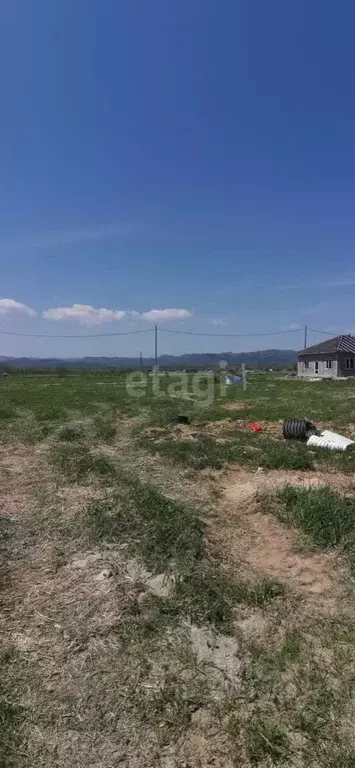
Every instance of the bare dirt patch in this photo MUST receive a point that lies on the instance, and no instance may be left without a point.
(220, 429)
(269, 428)
(236, 407)
(178, 432)
(218, 653)
(255, 541)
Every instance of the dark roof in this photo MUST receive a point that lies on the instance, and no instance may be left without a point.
(342, 343)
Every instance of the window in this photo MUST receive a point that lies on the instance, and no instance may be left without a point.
(349, 362)
(316, 367)
(328, 364)
(306, 364)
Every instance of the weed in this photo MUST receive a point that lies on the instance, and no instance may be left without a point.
(262, 592)
(266, 665)
(6, 412)
(279, 455)
(205, 595)
(266, 739)
(70, 433)
(172, 705)
(163, 530)
(316, 713)
(77, 462)
(209, 595)
(322, 513)
(105, 427)
(292, 645)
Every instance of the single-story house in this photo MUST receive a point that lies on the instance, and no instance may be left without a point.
(334, 358)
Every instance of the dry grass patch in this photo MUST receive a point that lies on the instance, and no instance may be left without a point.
(109, 667)
(20, 468)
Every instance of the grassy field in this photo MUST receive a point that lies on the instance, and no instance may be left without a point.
(174, 595)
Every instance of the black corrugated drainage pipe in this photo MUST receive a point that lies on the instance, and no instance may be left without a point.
(298, 429)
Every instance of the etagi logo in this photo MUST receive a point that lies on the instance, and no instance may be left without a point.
(203, 386)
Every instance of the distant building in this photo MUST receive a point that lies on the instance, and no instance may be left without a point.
(331, 359)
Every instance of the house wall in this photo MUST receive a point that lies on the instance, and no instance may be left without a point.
(323, 372)
(342, 369)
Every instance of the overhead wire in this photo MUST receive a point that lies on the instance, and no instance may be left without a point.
(151, 329)
(326, 333)
(74, 335)
(236, 335)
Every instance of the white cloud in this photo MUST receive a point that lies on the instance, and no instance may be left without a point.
(85, 314)
(166, 314)
(219, 321)
(9, 306)
(292, 327)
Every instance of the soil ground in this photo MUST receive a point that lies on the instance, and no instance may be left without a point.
(158, 615)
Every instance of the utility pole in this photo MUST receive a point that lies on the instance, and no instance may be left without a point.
(141, 361)
(244, 376)
(156, 347)
(305, 337)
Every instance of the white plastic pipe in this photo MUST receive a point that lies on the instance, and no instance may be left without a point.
(330, 440)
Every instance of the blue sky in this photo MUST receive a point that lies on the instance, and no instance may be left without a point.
(192, 157)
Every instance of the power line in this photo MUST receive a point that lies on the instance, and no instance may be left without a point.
(326, 333)
(239, 335)
(74, 336)
(149, 330)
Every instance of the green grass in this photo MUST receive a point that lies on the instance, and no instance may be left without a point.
(267, 397)
(168, 535)
(273, 662)
(70, 433)
(322, 513)
(253, 450)
(12, 714)
(266, 739)
(211, 595)
(78, 463)
(33, 408)
(11, 717)
(104, 426)
(163, 530)
(101, 428)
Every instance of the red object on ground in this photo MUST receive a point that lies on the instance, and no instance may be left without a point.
(255, 427)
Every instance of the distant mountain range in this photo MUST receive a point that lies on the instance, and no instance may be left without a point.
(267, 358)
